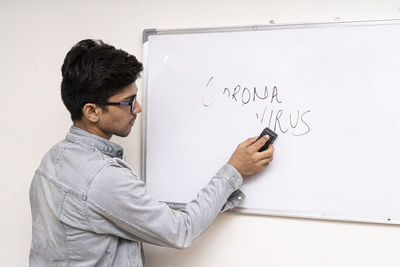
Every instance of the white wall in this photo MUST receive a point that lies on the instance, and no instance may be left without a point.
(35, 36)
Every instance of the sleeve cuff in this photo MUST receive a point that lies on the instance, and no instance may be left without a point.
(229, 173)
(234, 200)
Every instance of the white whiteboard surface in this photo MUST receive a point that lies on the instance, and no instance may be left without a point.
(333, 98)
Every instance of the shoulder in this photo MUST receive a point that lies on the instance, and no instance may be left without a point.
(75, 166)
(115, 176)
(114, 186)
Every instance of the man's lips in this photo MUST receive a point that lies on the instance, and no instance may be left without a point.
(132, 120)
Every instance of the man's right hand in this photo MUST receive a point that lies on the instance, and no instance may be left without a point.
(246, 158)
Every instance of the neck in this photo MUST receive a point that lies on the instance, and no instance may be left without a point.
(91, 128)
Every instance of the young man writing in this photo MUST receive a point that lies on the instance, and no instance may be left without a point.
(88, 206)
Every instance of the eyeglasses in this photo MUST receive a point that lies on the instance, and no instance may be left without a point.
(130, 103)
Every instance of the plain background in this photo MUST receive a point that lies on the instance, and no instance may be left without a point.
(36, 35)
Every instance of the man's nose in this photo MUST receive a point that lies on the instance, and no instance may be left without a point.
(137, 108)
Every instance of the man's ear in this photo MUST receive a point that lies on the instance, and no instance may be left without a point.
(91, 112)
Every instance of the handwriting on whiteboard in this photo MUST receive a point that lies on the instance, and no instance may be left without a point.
(274, 115)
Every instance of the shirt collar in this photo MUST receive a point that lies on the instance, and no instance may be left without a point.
(106, 146)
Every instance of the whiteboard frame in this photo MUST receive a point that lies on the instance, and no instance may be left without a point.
(277, 213)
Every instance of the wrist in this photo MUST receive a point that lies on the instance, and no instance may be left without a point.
(231, 174)
(235, 166)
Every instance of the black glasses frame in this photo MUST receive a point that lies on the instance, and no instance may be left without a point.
(130, 103)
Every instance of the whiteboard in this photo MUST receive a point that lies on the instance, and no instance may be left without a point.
(330, 90)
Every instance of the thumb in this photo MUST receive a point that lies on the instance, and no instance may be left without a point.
(249, 142)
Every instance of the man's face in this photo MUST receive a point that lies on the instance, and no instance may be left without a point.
(119, 120)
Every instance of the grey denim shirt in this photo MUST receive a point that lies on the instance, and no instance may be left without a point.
(90, 209)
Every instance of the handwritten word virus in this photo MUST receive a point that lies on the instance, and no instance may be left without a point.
(273, 113)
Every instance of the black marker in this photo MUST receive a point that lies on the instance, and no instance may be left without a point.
(272, 136)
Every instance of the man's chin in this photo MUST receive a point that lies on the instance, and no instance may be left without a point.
(123, 134)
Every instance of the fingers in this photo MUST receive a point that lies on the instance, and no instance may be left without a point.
(268, 153)
(266, 161)
(262, 164)
(259, 144)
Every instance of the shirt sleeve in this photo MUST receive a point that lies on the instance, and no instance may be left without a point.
(119, 204)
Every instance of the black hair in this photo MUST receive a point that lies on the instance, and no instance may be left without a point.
(93, 72)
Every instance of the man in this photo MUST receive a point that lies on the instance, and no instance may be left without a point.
(88, 206)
